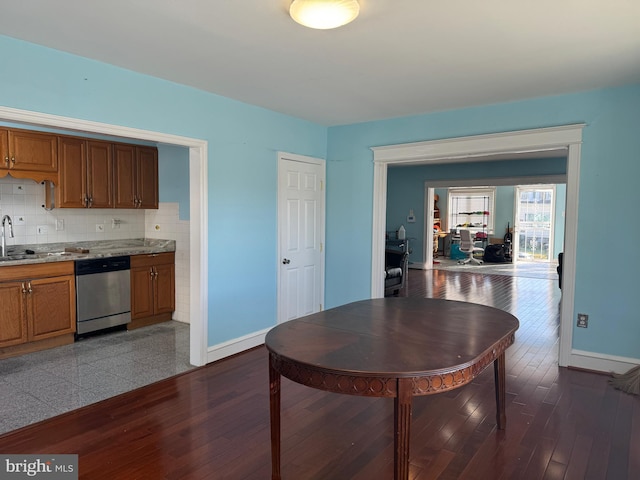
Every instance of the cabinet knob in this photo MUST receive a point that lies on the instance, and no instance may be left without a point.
(24, 290)
(6, 160)
(13, 159)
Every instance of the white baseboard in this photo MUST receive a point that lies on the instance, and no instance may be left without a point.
(237, 345)
(601, 362)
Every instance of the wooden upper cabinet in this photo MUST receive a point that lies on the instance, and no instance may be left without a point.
(147, 177)
(100, 174)
(27, 154)
(136, 176)
(33, 151)
(86, 173)
(4, 151)
(72, 185)
(124, 163)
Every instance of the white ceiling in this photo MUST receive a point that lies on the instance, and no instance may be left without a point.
(400, 57)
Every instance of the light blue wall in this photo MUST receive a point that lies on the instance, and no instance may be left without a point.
(610, 168)
(242, 166)
(173, 177)
(243, 143)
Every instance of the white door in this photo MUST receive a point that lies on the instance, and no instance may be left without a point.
(301, 218)
(533, 232)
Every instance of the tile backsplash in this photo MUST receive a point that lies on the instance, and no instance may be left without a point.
(23, 201)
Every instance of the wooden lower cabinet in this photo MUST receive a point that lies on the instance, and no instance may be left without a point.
(13, 320)
(51, 307)
(152, 288)
(38, 307)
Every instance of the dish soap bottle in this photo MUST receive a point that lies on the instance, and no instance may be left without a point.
(401, 233)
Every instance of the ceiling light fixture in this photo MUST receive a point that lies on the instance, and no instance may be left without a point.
(324, 14)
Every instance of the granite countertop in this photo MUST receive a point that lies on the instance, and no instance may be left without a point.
(55, 252)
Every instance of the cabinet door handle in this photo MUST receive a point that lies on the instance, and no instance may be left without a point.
(90, 202)
(6, 160)
(24, 290)
(13, 159)
(84, 201)
(29, 289)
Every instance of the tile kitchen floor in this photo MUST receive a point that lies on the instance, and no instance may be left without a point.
(47, 383)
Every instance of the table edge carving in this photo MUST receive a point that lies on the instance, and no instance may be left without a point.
(384, 385)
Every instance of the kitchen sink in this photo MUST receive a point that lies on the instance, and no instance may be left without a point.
(33, 256)
(11, 258)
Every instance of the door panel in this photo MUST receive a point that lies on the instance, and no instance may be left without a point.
(13, 325)
(100, 174)
(165, 288)
(301, 237)
(33, 151)
(141, 293)
(125, 178)
(52, 307)
(73, 172)
(147, 177)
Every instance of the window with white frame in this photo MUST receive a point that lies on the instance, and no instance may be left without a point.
(471, 208)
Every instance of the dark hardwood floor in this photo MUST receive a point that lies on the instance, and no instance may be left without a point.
(213, 422)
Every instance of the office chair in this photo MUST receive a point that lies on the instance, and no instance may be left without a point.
(467, 246)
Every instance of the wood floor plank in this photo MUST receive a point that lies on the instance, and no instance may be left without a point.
(213, 422)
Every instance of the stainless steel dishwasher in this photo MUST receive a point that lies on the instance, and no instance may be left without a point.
(103, 293)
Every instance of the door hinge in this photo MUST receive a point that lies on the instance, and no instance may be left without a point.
(321, 184)
(320, 307)
(321, 246)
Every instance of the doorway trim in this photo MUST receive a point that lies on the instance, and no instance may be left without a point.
(566, 138)
(198, 230)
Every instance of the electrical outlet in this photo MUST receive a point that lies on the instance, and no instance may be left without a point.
(42, 229)
(19, 189)
(18, 220)
(60, 224)
(583, 320)
(99, 227)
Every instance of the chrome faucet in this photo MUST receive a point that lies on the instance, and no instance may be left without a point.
(6, 219)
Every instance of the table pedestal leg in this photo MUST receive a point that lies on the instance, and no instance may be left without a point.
(274, 411)
(402, 417)
(499, 374)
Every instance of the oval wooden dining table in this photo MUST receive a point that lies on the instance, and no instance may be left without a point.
(390, 347)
